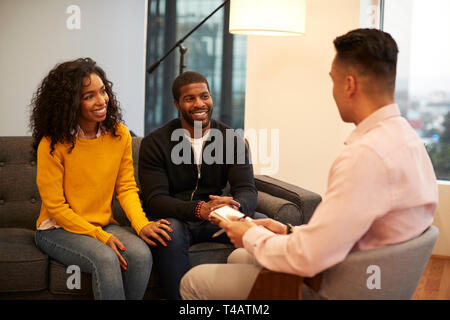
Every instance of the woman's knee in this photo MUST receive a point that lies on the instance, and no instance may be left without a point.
(139, 251)
(105, 258)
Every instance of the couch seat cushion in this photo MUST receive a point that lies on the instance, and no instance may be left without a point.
(23, 267)
(209, 252)
(59, 277)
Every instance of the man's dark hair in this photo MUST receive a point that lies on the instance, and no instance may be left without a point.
(372, 52)
(186, 78)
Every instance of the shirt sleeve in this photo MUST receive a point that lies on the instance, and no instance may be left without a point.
(50, 173)
(127, 190)
(357, 194)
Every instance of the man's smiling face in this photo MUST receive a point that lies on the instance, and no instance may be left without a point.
(195, 104)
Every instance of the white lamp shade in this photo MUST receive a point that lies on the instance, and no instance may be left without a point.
(267, 17)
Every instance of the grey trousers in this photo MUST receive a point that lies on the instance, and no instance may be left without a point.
(230, 281)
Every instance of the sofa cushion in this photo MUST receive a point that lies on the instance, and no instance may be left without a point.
(23, 266)
(20, 202)
(58, 281)
(209, 252)
(119, 214)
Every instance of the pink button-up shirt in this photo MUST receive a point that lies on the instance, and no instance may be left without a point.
(381, 190)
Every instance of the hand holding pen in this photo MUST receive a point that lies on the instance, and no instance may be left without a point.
(218, 233)
(236, 228)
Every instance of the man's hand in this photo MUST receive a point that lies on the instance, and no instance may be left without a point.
(272, 225)
(236, 229)
(216, 202)
(154, 230)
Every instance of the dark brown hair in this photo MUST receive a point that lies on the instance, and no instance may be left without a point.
(186, 78)
(56, 103)
(372, 52)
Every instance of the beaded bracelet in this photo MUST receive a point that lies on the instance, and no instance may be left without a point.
(197, 210)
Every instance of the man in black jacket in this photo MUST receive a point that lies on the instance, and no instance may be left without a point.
(184, 168)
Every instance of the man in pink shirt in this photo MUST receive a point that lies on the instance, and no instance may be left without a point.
(382, 189)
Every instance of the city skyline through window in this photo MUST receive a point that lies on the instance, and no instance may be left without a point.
(420, 28)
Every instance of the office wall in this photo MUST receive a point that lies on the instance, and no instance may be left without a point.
(35, 35)
(289, 88)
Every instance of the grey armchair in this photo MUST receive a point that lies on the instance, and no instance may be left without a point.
(399, 268)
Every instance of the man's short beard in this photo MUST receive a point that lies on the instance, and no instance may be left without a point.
(190, 121)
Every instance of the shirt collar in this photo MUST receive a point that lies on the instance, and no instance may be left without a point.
(371, 121)
(80, 133)
(202, 138)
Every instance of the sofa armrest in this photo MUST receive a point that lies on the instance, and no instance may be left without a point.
(306, 200)
(279, 209)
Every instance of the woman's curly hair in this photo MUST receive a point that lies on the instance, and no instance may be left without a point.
(56, 103)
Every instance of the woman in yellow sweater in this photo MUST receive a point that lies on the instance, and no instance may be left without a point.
(84, 156)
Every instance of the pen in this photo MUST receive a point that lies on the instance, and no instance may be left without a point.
(218, 233)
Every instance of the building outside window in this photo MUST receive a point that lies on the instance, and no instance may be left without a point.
(211, 50)
(421, 29)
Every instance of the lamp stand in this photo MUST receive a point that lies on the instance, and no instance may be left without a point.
(179, 43)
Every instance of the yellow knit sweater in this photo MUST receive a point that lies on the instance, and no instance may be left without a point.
(77, 188)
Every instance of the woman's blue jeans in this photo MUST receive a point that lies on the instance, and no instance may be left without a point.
(109, 282)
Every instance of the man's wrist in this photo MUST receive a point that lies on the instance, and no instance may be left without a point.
(289, 228)
(198, 209)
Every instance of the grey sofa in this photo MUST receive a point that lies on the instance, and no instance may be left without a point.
(28, 273)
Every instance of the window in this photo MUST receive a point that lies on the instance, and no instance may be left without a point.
(421, 29)
(212, 51)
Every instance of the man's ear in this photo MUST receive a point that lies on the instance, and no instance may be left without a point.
(350, 85)
(176, 104)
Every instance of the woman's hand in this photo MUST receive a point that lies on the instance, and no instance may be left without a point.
(154, 230)
(115, 244)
